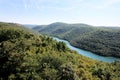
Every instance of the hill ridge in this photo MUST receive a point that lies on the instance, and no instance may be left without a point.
(105, 40)
(25, 55)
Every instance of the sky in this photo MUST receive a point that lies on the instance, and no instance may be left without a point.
(92, 12)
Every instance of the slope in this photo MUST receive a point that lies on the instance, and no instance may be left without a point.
(25, 55)
(100, 40)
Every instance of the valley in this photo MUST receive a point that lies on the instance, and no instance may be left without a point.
(103, 41)
(27, 55)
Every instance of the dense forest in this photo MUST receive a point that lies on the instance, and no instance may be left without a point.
(100, 40)
(26, 55)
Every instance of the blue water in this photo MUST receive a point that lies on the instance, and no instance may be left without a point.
(88, 54)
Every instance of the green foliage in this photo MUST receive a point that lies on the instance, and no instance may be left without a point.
(67, 72)
(61, 46)
(100, 40)
(27, 56)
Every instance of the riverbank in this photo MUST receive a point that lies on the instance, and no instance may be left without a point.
(88, 53)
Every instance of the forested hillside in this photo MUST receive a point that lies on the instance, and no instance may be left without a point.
(100, 40)
(25, 55)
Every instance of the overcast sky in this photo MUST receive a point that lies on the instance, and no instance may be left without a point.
(93, 12)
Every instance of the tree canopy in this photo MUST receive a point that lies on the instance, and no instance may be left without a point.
(25, 55)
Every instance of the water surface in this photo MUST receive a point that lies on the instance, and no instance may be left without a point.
(88, 53)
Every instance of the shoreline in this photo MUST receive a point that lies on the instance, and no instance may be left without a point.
(88, 53)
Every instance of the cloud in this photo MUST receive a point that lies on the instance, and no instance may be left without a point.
(28, 4)
(25, 4)
(51, 4)
(108, 3)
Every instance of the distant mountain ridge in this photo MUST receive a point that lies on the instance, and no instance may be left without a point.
(100, 40)
(25, 55)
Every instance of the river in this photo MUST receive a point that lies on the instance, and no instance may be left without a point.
(88, 53)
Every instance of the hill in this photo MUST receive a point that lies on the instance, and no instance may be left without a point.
(25, 55)
(100, 40)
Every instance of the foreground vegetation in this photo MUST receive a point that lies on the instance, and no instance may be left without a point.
(100, 40)
(25, 55)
